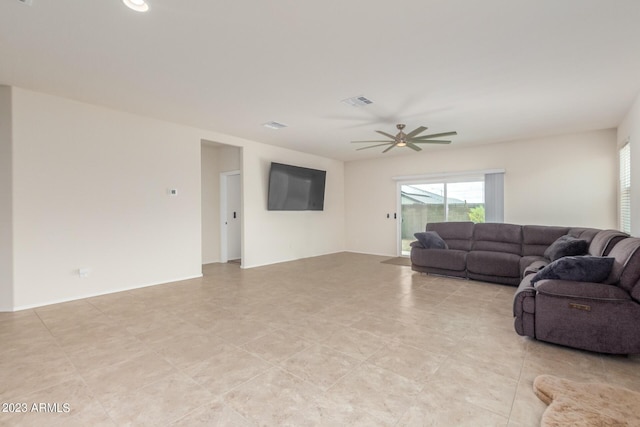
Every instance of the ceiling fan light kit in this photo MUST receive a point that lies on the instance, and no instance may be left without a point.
(410, 139)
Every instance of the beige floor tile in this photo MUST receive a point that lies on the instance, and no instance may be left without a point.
(410, 362)
(344, 312)
(189, 349)
(275, 398)
(503, 355)
(239, 331)
(97, 354)
(382, 327)
(379, 392)
(436, 410)
(319, 365)
(89, 333)
(108, 382)
(355, 343)
(212, 415)
(67, 403)
(28, 373)
(228, 368)
(370, 344)
(527, 408)
(622, 371)
(277, 346)
(481, 388)
(313, 328)
(158, 403)
(428, 339)
(549, 359)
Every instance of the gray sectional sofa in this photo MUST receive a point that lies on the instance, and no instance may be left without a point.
(558, 300)
(497, 252)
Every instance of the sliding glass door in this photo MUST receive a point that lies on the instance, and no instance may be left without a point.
(424, 202)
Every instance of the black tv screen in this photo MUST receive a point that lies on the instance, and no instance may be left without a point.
(293, 188)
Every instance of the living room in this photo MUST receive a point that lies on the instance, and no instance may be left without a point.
(85, 207)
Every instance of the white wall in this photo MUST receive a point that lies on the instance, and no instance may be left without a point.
(629, 130)
(6, 203)
(90, 188)
(563, 180)
(215, 160)
(90, 191)
(276, 235)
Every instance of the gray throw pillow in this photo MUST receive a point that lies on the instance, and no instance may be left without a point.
(431, 240)
(577, 268)
(566, 246)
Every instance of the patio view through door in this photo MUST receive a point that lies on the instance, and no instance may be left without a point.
(422, 202)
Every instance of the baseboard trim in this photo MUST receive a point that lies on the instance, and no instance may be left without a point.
(91, 295)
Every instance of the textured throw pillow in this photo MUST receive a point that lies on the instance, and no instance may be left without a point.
(431, 240)
(566, 246)
(577, 268)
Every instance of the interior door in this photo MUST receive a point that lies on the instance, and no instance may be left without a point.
(233, 217)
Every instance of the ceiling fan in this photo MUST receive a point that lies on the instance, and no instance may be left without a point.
(410, 139)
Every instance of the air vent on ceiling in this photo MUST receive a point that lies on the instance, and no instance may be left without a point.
(27, 2)
(357, 101)
(274, 125)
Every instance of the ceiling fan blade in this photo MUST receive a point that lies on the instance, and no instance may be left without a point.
(390, 147)
(377, 145)
(416, 132)
(386, 134)
(429, 141)
(377, 140)
(435, 135)
(413, 146)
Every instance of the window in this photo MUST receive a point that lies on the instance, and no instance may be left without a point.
(625, 188)
(472, 196)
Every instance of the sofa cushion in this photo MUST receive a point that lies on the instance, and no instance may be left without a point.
(578, 269)
(566, 246)
(443, 259)
(431, 240)
(583, 290)
(457, 235)
(537, 238)
(496, 237)
(490, 263)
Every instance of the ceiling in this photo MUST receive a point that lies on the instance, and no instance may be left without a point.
(492, 70)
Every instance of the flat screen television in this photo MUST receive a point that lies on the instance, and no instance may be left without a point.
(294, 188)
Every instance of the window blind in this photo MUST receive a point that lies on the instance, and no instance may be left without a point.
(494, 197)
(625, 188)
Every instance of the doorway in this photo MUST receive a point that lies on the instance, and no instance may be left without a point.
(230, 210)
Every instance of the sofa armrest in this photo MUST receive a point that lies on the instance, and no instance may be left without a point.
(581, 290)
(524, 308)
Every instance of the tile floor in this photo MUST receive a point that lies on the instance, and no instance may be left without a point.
(335, 340)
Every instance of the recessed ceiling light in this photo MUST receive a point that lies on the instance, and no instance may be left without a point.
(274, 125)
(137, 5)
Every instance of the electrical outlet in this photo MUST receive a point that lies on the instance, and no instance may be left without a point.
(83, 272)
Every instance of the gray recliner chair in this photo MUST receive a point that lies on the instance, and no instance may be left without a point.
(602, 317)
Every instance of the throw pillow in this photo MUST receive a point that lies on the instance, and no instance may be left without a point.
(566, 246)
(431, 240)
(577, 268)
